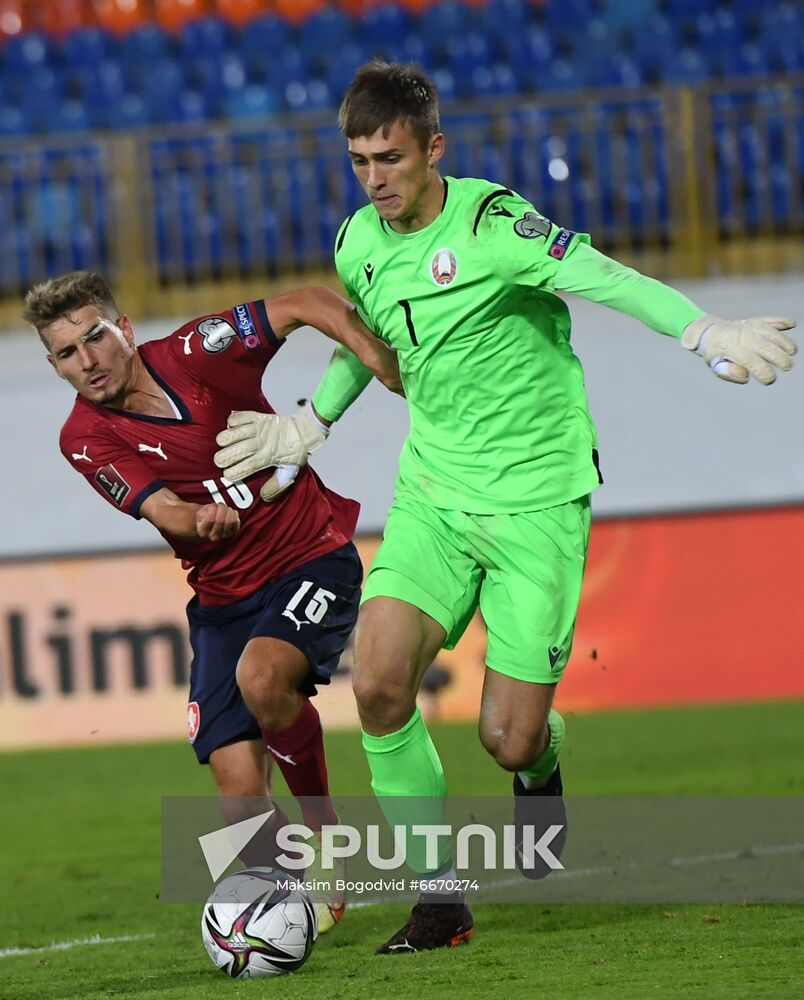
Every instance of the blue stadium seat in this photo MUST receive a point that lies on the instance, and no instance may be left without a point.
(329, 29)
(445, 82)
(144, 45)
(504, 17)
(98, 86)
(528, 55)
(449, 19)
(70, 116)
(86, 46)
(380, 26)
(27, 51)
(205, 36)
(161, 89)
(685, 66)
(339, 67)
(129, 112)
(252, 101)
(13, 121)
(192, 106)
(265, 36)
(308, 95)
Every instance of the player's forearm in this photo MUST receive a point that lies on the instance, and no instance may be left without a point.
(344, 380)
(593, 276)
(187, 521)
(323, 309)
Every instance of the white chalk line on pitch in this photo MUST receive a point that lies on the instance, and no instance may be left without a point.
(77, 943)
(700, 859)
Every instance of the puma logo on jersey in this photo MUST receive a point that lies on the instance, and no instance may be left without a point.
(156, 450)
(187, 348)
(287, 758)
(82, 456)
(289, 614)
(369, 272)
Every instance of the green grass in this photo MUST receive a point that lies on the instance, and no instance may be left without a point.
(80, 857)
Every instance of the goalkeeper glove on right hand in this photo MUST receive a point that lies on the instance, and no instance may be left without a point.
(255, 441)
(735, 348)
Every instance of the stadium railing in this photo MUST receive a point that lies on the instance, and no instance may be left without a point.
(680, 181)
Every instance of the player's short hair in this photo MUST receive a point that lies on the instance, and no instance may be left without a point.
(50, 300)
(383, 93)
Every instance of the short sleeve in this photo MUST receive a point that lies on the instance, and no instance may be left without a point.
(111, 469)
(523, 246)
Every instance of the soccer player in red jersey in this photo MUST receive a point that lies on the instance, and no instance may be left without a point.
(276, 584)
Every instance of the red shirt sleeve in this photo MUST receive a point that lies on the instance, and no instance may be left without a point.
(110, 468)
(241, 338)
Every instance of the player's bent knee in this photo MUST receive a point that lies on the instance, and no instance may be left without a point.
(512, 753)
(265, 686)
(388, 705)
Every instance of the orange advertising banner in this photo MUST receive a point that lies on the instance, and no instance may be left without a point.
(683, 609)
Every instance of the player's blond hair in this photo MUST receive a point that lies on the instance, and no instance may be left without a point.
(50, 300)
(383, 93)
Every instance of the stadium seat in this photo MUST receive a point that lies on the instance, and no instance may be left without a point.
(143, 46)
(127, 113)
(13, 121)
(205, 36)
(191, 106)
(326, 30)
(86, 46)
(252, 101)
(383, 25)
(265, 37)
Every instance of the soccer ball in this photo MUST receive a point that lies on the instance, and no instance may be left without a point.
(251, 926)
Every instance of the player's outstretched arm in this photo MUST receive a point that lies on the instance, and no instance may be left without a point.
(734, 349)
(213, 522)
(337, 318)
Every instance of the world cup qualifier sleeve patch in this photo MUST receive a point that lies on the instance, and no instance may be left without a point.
(111, 482)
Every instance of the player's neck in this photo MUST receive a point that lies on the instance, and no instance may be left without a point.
(427, 209)
(143, 394)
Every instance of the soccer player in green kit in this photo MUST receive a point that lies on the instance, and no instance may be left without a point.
(492, 501)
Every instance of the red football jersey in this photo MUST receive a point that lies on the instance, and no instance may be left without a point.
(207, 368)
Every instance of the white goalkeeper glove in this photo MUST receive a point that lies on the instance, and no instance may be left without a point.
(255, 441)
(735, 348)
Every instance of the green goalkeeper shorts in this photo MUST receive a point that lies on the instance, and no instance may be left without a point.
(522, 570)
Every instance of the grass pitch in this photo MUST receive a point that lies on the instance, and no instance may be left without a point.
(80, 859)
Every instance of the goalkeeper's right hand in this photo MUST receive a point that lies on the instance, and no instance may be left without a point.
(255, 441)
(735, 348)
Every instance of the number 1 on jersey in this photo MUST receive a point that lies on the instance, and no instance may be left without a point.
(405, 303)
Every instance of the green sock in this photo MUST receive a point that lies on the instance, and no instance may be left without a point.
(546, 764)
(408, 780)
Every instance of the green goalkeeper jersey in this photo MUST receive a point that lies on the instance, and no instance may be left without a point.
(499, 420)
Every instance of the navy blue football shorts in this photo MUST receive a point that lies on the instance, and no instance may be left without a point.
(313, 607)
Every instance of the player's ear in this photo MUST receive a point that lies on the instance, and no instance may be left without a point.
(127, 327)
(436, 149)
